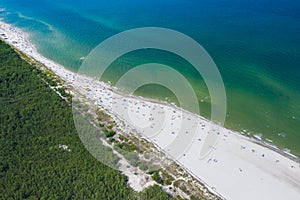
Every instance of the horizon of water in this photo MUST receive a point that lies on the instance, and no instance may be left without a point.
(255, 44)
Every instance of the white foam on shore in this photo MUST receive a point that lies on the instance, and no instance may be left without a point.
(258, 136)
(283, 135)
(237, 167)
(49, 27)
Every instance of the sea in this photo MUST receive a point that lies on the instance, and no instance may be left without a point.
(254, 43)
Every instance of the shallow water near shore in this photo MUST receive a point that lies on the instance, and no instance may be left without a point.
(255, 45)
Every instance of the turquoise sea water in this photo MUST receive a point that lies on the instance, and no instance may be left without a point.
(255, 44)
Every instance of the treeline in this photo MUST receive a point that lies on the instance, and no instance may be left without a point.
(35, 122)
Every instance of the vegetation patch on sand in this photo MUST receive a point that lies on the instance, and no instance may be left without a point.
(42, 156)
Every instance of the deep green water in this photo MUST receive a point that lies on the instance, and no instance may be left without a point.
(255, 44)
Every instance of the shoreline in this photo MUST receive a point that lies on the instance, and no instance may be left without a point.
(29, 49)
(19, 40)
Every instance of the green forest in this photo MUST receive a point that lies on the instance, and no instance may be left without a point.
(35, 120)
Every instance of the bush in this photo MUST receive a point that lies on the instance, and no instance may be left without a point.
(143, 166)
(156, 176)
(108, 133)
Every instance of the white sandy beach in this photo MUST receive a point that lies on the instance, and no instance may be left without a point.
(237, 168)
